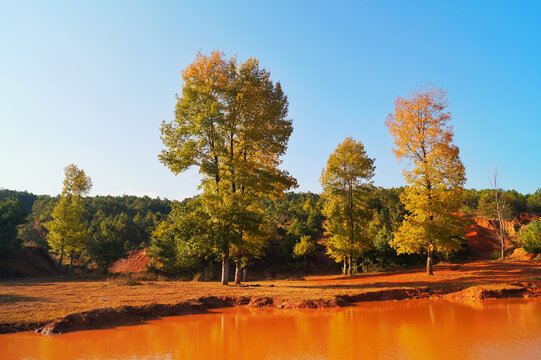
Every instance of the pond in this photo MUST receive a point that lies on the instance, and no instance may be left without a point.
(416, 329)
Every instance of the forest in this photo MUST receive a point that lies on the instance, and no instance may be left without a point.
(134, 220)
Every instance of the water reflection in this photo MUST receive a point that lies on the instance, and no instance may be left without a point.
(498, 329)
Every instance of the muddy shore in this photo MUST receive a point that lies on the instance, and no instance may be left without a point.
(130, 315)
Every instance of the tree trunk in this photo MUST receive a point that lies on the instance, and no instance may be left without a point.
(429, 263)
(305, 263)
(238, 272)
(244, 274)
(61, 255)
(225, 268)
(502, 239)
(349, 265)
(344, 269)
(71, 261)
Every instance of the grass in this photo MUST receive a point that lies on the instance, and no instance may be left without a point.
(38, 300)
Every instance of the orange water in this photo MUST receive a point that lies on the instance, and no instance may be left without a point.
(428, 329)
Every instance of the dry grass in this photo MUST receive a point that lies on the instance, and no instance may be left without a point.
(38, 300)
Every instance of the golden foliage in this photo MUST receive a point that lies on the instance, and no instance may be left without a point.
(422, 135)
(346, 181)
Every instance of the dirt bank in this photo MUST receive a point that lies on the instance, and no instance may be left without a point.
(124, 315)
(74, 303)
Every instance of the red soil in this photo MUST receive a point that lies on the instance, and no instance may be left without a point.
(136, 261)
(483, 238)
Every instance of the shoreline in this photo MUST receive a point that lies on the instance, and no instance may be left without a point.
(108, 317)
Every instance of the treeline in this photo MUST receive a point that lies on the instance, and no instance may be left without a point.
(482, 203)
(118, 224)
(114, 224)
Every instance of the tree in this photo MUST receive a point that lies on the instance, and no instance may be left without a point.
(501, 210)
(435, 192)
(183, 238)
(109, 235)
(231, 123)
(11, 216)
(67, 230)
(304, 248)
(531, 237)
(346, 189)
(533, 202)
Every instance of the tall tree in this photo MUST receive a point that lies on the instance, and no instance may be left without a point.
(231, 123)
(435, 192)
(67, 229)
(346, 184)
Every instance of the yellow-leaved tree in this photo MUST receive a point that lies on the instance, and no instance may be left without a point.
(346, 189)
(436, 178)
(231, 123)
(68, 231)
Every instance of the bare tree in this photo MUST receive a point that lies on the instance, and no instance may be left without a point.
(500, 211)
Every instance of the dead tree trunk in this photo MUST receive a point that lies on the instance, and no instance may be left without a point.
(500, 212)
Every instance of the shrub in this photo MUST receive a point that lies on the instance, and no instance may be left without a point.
(531, 237)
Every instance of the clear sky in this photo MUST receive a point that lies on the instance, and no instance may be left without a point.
(89, 82)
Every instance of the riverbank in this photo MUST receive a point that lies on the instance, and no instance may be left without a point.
(57, 305)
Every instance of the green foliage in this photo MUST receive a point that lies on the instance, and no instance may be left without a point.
(533, 202)
(68, 229)
(482, 203)
(346, 185)
(25, 198)
(231, 123)
(11, 216)
(531, 237)
(183, 241)
(142, 215)
(108, 238)
(68, 232)
(34, 232)
(510, 204)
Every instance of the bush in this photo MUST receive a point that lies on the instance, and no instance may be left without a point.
(531, 237)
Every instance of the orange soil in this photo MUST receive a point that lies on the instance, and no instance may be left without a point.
(483, 238)
(25, 304)
(136, 261)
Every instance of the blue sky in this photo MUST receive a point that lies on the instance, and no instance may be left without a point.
(90, 82)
